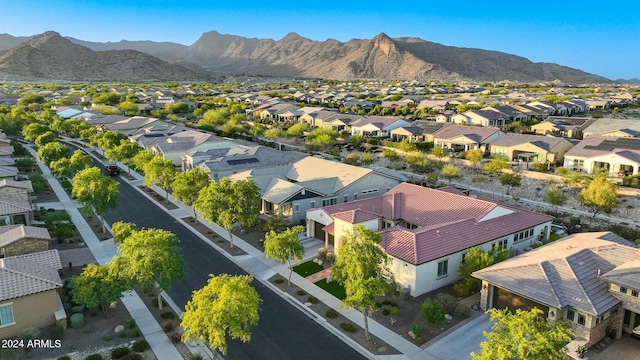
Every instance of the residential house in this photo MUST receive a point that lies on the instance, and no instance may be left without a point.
(613, 127)
(591, 280)
(14, 211)
(508, 112)
(487, 118)
(28, 295)
(273, 112)
(446, 116)
(439, 106)
(21, 240)
(599, 104)
(571, 127)
(617, 156)
(318, 118)
(226, 161)
(530, 148)
(464, 138)
(551, 107)
(340, 121)
(533, 112)
(418, 131)
(175, 145)
(16, 190)
(426, 232)
(376, 126)
(133, 124)
(312, 182)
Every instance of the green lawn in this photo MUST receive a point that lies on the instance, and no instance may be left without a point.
(333, 288)
(307, 268)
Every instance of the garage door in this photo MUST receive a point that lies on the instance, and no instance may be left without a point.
(504, 299)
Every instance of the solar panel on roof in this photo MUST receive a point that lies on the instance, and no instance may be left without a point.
(622, 143)
(242, 161)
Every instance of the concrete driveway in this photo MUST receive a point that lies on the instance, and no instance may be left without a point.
(625, 348)
(462, 341)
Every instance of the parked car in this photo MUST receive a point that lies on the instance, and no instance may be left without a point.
(112, 170)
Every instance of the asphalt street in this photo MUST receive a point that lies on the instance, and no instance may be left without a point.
(283, 331)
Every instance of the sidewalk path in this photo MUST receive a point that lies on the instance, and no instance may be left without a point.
(103, 251)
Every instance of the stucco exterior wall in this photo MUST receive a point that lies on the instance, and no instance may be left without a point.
(33, 311)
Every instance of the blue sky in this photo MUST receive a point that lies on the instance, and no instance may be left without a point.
(599, 38)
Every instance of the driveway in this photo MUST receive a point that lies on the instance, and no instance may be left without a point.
(461, 342)
(626, 348)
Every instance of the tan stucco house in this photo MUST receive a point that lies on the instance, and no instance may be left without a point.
(21, 240)
(28, 295)
(531, 148)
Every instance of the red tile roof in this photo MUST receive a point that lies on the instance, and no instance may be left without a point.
(448, 221)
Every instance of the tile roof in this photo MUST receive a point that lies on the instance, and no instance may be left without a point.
(543, 142)
(25, 184)
(447, 220)
(477, 134)
(11, 206)
(605, 125)
(627, 274)
(569, 272)
(29, 274)
(12, 233)
(601, 145)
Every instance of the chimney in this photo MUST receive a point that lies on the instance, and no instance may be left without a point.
(599, 273)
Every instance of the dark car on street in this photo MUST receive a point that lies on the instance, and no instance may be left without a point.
(112, 170)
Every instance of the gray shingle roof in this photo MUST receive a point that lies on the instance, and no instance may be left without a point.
(570, 272)
(29, 274)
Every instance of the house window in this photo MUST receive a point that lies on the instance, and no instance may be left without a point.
(634, 293)
(581, 319)
(443, 268)
(578, 162)
(296, 207)
(327, 202)
(571, 315)
(346, 198)
(312, 203)
(523, 235)
(623, 289)
(502, 244)
(355, 196)
(6, 315)
(369, 191)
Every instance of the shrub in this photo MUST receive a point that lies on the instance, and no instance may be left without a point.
(87, 330)
(313, 299)
(132, 356)
(119, 352)
(168, 326)
(416, 329)
(447, 301)
(76, 321)
(395, 310)
(352, 159)
(278, 280)
(432, 311)
(197, 356)
(301, 292)
(461, 311)
(386, 302)
(64, 357)
(141, 346)
(384, 311)
(94, 357)
(348, 327)
(130, 324)
(322, 252)
(331, 257)
(136, 332)
(56, 333)
(332, 314)
(167, 315)
(176, 337)
(122, 333)
(107, 337)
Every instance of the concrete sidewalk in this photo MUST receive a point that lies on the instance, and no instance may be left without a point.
(103, 251)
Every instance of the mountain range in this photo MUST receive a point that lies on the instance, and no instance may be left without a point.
(49, 56)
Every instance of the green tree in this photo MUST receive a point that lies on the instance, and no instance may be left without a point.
(450, 172)
(53, 151)
(61, 167)
(297, 130)
(149, 258)
(474, 156)
(9, 125)
(432, 311)
(214, 117)
(599, 196)
(107, 98)
(439, 152)
(128, 107)
(356, 140)
(31, 98)
(161, 173)
(362, 268)
(476, 259)
(187, 185)
(142, 158)
(79, 161)
(46, 138)
(226, 307)
(109, 139)
(497, 164)
(228, 203)
(122, 230)
(95, 191)
(524, 335)
(510, 180)
(123, 152)
(556, 197)
(284, 246)
(96, 286)
(31, 131)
